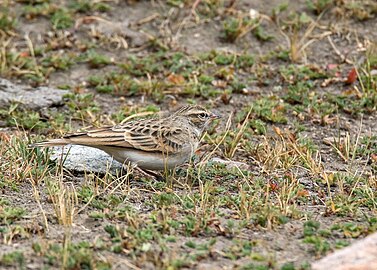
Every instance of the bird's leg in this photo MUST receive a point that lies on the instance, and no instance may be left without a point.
(148, 173)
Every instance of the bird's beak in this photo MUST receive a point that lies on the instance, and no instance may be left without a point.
(215, 116)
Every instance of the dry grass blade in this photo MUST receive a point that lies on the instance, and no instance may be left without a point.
(286, 152)
(297, 45)
(64, 201)
(3, 53)
(287, 193)
(231, 150)
(337, 52)
(37, 198)
(346, 147)
(32, 54)
(205, 159)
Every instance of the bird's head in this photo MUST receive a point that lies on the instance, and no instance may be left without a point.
(197, 115)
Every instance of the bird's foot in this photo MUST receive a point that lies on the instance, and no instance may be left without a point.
(146, 173)
(129, 167)
(154, 175)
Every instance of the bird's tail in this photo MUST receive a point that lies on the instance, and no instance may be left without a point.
(53, 142)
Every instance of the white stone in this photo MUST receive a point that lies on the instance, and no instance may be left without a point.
(85, 159)
(362, 255)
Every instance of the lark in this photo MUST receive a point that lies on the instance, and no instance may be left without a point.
(150, 144)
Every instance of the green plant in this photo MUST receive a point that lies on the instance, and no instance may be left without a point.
(7, 21)
(319, 5)
(22, 118)
(61, 19)
(96, 60)
(235, 28)
(15, 258)
(10, 214)
(298, 43)
(86, 6)
(58, 61)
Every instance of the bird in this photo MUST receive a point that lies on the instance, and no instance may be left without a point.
(153, 144)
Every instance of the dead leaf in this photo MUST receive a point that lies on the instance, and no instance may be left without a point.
(332, 66)
(352, 76)
(302, 193)
(292, 136)
(352, 91)
(349, 92)
(225, 98)
(279, 108)
(277, 131)
(4, 137)
(24, 54)
(374, 158)
(327, 120)
(176, 79)
(274, 186)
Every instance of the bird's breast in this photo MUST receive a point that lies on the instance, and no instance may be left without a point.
(151, 160)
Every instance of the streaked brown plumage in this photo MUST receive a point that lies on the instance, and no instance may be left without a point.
(151, 144)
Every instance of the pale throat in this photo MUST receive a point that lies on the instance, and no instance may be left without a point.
(198, 130)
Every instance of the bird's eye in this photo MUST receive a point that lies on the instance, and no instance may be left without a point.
(203, 115)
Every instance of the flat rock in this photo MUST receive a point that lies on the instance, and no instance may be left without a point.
(85, 159)
(28, 97)
(361, 255)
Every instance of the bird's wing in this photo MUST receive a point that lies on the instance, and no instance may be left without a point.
(151, 136)
(154, 136)
(97, 137)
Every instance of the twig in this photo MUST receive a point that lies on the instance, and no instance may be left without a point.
(342, 57)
